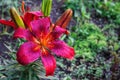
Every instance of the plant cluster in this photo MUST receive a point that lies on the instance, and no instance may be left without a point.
(88, 41)
(5, 6)
(86, 37)
(78, 8)
(110, 10)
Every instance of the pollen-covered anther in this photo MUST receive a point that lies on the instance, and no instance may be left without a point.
(45, 51)
(37, 48)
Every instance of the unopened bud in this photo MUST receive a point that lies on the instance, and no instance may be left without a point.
(23, 7)
(16, 18)
(65, 18)
(46, 7)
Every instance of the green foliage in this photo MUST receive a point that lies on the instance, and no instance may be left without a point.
(114, 48)
(87, 39)
(14, 71)
(112, 37)
(80, 69)
(105, 8)
(110, 10)
(78, 8)
(5, 6)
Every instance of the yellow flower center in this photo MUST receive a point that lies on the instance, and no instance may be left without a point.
(43, 44)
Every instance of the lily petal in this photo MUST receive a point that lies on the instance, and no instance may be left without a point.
(57, 32)
(27, 53)
(40, 27)
(30, 16)
(36, 13)
(60, 48)
(23, 33)
(49, 63)
(8, 23)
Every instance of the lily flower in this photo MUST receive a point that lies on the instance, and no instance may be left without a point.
(42, 42)
(23, 20)
(27, 18)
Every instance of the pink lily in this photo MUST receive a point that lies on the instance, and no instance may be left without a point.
(42, 42)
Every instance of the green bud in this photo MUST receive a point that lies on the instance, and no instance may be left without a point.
(16, 18)
(46, 7)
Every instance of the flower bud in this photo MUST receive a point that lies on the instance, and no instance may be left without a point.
(23, 7)
(16, 18)
(46, 7)
(65, 18)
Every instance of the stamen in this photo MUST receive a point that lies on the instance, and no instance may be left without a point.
(36, 41)
(37, 48)
(45, 52)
